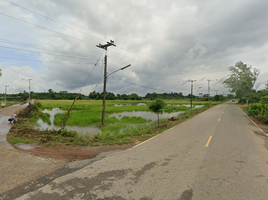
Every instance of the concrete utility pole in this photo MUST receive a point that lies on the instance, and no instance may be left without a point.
(29, 88)
(192, 83)
(111, 43)
(209, 90)
(6, 93)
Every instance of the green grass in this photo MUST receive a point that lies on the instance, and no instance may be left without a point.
(16, 140)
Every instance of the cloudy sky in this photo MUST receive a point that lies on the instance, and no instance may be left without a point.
(53, 42)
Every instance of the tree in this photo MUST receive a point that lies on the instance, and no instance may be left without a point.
(0, 72)
(217, 97)
(157, 106)
(242, 79)
(266, 86)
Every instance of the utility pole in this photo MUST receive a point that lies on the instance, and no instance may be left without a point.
(209, 90)
(29, 88)
(216, 92)
(105, 46)
(192, 83)
(6, 93)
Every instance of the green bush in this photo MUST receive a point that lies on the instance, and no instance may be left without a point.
(255, 109)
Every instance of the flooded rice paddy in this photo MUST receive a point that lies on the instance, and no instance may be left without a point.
(92, 130)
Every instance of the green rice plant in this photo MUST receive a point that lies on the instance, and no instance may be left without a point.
(133, 120)
(45, 117)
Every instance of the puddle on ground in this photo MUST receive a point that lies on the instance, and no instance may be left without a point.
(145, 115)
(25, 146)
(186, 105)
(141, 104)
(81, 130)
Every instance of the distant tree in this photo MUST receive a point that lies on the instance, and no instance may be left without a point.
(180, 95)
(216, 97)
(50, 91)
(242, 79)
(118, 96)
(0, 72)
(157, 106)
(243, 90)
(24, 96)
(230, 96)
(124, 97)
(134, 96)
(110, 96)
(266, 86)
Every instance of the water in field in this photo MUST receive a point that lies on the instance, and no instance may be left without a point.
(120, 105)
(186, 105)
(92, 130)
(145, 115)
(82, 130)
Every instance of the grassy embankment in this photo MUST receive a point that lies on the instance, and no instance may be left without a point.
(126, 130)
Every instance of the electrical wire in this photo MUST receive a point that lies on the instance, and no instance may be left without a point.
(90, 73)
(43, 52)
(40, 47)
(41, 61)
(141, 85)
(52, 19)
(46, 28)
(88, 35)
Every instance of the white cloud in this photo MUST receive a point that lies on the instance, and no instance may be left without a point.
(166, 43)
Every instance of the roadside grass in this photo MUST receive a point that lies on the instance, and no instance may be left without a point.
(114, 132)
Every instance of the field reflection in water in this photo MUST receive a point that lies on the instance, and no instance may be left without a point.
(92, 130)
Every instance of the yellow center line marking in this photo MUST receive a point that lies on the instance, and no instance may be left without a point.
(208, 141)
(219, 119)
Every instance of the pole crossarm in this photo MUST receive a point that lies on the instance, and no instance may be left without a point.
(104, 46)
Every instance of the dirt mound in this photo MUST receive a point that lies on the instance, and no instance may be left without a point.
(73, 153)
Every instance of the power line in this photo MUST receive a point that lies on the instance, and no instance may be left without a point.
(52, 19)
(79, 31)
(91, 72)
(46, 28)
(41, 47)
(141, 85)
(43, 52)
(40, 61)
(76, 30)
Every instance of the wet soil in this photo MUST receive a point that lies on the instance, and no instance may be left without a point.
(70, 153)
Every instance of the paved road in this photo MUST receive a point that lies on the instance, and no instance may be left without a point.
(18, 167)
(215, 155)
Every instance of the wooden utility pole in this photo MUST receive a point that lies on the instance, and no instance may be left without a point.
(111, 43)
(191, 91)
(6, 93)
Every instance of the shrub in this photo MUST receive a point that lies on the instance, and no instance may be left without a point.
(255, 109)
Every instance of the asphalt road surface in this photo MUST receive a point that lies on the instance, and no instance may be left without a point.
(215, 155)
